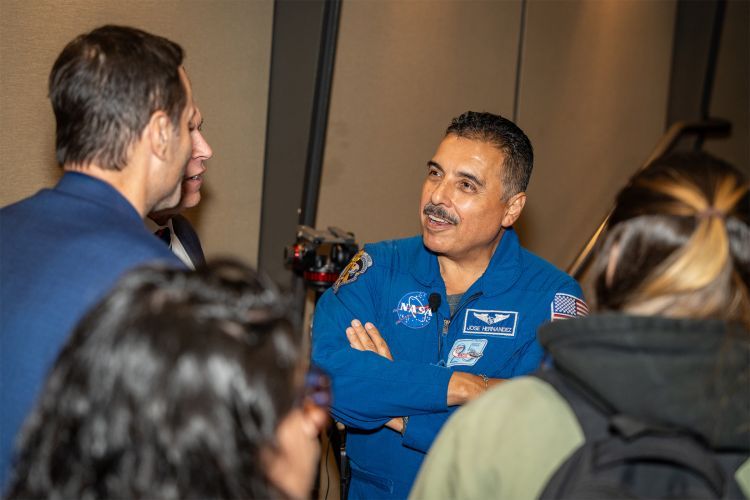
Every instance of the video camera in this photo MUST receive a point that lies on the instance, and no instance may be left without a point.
(320, 256)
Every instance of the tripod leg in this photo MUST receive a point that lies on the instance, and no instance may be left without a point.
(327, 486)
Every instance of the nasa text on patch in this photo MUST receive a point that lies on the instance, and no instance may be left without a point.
(413, 310)
(481, 322)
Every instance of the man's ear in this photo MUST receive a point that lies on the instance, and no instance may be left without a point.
(159, 132)
(514, 209)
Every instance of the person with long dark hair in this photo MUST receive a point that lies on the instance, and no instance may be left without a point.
(178, 385)
(669, 347)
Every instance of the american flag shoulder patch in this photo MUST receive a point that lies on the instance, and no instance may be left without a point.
(566, 306)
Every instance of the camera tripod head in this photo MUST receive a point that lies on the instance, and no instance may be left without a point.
(320, 256)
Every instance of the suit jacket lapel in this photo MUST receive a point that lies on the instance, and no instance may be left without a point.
(189, 239)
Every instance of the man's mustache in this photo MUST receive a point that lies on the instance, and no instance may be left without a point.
(437, 211)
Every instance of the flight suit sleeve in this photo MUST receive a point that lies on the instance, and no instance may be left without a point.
(567, 302)
(368, 389)
(422, 430)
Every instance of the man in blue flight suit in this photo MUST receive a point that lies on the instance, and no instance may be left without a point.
(414, 328)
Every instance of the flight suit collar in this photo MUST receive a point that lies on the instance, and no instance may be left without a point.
(501, 273)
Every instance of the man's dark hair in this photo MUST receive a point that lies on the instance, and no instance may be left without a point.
(104, 87)
(169, 388)
(504, 135)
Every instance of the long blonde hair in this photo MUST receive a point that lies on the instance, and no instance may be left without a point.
(678, 242)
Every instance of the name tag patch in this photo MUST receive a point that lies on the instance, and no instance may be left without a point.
(466, 352)
(413, 310)
(482, 322)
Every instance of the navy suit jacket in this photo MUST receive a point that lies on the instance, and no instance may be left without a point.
(61, 251)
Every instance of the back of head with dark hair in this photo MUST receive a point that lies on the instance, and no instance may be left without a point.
(507, 137)
(167, 389)
(104, 87)
(678, 242)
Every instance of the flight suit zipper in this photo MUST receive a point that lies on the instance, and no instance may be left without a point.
(447, 323)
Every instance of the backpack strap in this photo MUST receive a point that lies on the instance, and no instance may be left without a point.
(612, 439)
(673, 448)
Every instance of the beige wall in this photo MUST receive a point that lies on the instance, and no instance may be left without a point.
(592, 98)
(402, 71)
(228, 44)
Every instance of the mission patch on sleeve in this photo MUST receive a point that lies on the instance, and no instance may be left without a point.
(357, 267)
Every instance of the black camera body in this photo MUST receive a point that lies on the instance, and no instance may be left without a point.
(320, 256)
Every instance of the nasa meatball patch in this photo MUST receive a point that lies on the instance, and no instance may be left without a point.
(413, 310)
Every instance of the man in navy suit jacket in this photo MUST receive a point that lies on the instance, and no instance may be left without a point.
(174, 228)
(123, 108)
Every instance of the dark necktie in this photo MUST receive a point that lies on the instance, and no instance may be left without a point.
(165, 235)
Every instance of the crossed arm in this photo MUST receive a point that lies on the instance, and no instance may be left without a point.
(462, 387)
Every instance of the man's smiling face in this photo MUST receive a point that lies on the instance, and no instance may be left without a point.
(462, 208)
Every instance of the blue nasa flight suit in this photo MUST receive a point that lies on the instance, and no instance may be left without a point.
(492, 332)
